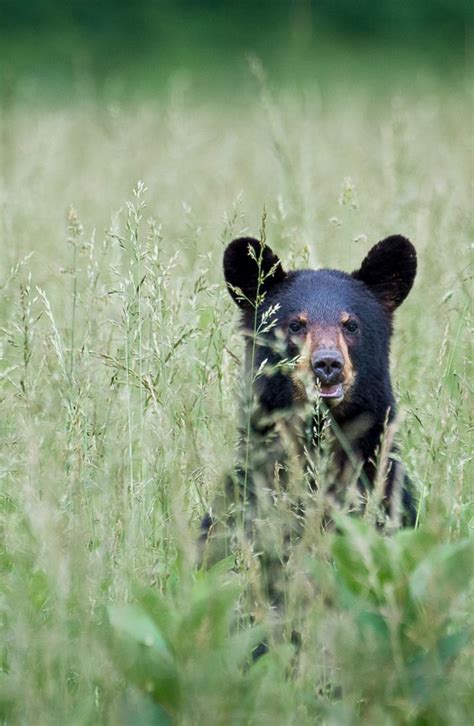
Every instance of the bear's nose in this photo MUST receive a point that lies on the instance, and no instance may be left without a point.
(327, 366)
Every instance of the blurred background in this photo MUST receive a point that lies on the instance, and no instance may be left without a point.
(278, 100)
(118, 48)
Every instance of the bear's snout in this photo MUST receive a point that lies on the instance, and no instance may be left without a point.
(327, 366)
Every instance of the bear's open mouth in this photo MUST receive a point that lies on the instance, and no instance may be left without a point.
(335, 391)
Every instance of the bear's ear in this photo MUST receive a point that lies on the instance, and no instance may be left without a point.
(251, 268)
(389, 270)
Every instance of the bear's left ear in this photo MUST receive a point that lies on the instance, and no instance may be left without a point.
(389, 270)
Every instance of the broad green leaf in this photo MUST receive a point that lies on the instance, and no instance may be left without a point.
(375, 623)
(140, 710)
(144, 655)
(445, 573)
(208, 617)
(133, 622)
(451, 645)
(362, 561)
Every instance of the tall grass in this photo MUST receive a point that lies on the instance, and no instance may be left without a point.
(119, 381)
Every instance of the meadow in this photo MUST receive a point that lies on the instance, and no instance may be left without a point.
(119, 387)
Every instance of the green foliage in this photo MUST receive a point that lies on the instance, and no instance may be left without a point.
(391, 609)
(144, 654)
(210, 651)
(194, 659)
(397, 597)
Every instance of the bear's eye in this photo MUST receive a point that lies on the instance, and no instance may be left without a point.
(296, 326)
(351, 326)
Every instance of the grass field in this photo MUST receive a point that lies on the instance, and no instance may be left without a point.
(119, 384)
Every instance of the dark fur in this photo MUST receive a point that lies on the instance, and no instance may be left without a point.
(370, 295)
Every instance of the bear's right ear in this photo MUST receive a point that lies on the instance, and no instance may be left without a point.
(251, 269)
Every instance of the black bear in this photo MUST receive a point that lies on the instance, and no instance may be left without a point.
(317, 369)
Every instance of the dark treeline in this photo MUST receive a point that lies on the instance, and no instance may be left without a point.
(247, 19)
(53, 41)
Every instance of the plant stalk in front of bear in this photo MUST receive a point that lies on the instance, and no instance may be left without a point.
(256, 304)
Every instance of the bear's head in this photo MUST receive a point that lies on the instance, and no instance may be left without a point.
(320, 334)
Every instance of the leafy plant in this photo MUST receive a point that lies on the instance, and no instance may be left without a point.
(190, 658)
(396, 601)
